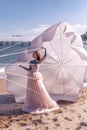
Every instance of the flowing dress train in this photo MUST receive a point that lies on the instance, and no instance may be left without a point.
(37, 97)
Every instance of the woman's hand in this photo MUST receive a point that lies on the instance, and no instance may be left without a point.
(43, 47)
(20, 65)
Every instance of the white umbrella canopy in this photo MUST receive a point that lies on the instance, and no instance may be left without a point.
(63, 69)
(83, 54)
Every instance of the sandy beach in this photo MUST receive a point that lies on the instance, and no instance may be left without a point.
(70, 116)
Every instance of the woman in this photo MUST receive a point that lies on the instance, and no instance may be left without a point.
(37, 98)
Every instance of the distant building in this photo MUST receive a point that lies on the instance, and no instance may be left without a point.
(18, 43)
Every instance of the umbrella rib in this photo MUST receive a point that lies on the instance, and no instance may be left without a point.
(47, 68)
(74, 85)
(73, 65)
(80, 75)
(51, 57)
(70, 89)
(54, 81)
(61, 43)
(70, 59)
(49, 74)
(67, 55)
(55, 52)
(64, 80)
(72, 77)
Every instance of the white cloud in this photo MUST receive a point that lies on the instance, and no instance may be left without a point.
(30, 34)
(25, 35)
(80, 29)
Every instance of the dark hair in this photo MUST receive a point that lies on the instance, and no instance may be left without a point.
(38, 55)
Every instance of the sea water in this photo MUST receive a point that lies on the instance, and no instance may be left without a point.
(5, 58)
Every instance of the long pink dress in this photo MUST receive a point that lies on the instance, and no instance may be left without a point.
(37, 97)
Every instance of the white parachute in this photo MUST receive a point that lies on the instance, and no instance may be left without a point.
(63, 69)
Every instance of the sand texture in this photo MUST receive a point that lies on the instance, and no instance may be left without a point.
(71, 116)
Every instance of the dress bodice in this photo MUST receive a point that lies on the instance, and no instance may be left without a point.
(34, 66)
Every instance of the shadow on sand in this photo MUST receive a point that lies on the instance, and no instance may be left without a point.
(8, 106)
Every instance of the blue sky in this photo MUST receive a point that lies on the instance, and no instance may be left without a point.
(18, 15)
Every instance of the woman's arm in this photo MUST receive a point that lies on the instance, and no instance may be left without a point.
(25, 67)
(45, 54)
